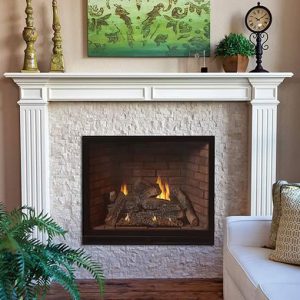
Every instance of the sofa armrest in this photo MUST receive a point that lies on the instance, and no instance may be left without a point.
(247, 231)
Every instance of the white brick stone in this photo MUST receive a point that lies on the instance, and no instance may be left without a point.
(228, 122)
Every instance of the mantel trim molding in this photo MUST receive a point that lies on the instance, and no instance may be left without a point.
(145, 86)
(38, 89)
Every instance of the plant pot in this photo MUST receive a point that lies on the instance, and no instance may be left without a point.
(236, 63)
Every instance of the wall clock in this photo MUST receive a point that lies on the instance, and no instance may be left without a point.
(258, 19)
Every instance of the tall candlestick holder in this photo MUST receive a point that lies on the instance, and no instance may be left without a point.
(30, 36)
(260, 38)
(57, 59)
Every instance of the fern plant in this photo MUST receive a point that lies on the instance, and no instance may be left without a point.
(234, 44)
(28, 267)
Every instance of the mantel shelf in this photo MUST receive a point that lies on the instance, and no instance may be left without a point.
(83, 75)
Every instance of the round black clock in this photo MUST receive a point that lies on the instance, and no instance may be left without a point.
(258, 18)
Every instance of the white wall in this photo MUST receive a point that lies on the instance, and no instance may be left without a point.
(226, 16)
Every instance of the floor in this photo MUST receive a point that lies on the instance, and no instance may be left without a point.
(149, 289)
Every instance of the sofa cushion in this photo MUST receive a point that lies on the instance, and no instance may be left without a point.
(277, 209)
(288, 236)
(279, 291)
(276, 212)
(250, 267)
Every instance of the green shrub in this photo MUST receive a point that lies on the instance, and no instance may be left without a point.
(28, 267)
(234, 44)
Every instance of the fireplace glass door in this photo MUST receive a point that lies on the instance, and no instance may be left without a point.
(148, 190)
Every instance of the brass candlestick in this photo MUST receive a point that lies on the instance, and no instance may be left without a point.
(30, 36)
(57, 59)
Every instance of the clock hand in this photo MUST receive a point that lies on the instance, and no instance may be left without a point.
(261, 17)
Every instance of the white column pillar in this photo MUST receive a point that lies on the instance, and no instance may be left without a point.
(34, 149)
(263, 144)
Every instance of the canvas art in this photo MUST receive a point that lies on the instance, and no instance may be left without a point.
(148, 28)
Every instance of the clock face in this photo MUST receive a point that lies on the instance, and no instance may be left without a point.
(258, 19)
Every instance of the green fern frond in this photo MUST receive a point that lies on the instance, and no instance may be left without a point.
(28, 266)
(2, 210)
(29, 292)
(60, 277)
(42, 287)
(48, 225)
(42, 222)
(78, 257)
(85, 261)
(5, 289)
(19, 262)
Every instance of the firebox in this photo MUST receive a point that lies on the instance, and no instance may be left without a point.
(148, 190)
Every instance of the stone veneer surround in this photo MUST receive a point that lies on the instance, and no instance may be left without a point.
(149, 104)
(227, 122)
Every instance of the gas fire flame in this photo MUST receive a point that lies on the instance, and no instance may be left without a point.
(124, 189)
(165, 190)
(127, 218)
(154, 219)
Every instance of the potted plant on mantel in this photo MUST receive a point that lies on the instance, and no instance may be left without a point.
(28, 267)
(235, 50)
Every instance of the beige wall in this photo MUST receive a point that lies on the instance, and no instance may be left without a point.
(226, 16)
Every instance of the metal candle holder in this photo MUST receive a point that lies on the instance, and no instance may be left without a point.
(261, 38)
(57, 59)
(204, 68)
(30, 36)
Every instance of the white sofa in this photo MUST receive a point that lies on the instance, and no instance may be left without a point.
(248, 273)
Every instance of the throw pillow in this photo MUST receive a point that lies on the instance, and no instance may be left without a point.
(276, 212)
(288, 237)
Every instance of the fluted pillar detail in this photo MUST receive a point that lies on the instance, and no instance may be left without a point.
(263, 144)
(34, 151)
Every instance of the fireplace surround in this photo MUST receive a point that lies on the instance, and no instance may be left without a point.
(240, 110)
(160, 190)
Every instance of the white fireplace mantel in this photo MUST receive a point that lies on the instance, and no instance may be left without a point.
(38, 89)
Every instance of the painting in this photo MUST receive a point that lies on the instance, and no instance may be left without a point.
(148, 28)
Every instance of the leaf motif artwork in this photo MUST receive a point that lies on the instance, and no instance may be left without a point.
(148, 28)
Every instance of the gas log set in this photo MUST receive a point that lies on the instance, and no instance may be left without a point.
(151, 205)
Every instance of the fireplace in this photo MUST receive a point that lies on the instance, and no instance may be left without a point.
(239, 110)
(148, 190)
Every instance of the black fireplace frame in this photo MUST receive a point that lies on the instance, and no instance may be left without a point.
(123, 236)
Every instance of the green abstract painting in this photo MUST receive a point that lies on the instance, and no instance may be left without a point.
(148, 28)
